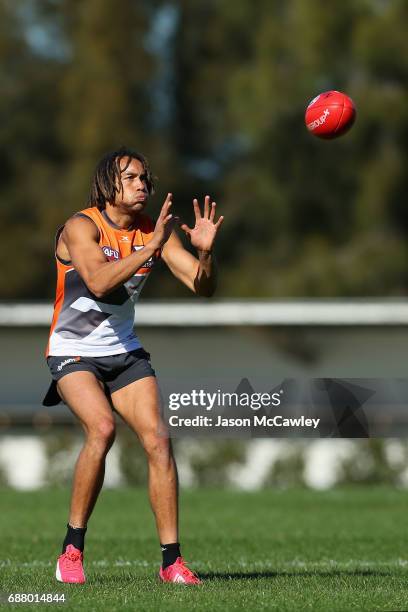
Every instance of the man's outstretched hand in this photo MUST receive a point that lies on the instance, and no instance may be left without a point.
(165, 223)
(202, 235)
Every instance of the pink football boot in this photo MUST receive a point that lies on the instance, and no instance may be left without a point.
(179, 572)
(69, 566)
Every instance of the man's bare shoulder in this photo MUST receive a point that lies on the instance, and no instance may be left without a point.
(80, 227)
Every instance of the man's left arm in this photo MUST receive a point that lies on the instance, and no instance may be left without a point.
(198, 273)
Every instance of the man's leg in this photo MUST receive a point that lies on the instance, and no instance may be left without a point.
(139, 405)
(85, 397)
(83, 394)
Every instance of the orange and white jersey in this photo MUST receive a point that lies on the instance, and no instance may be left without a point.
(86, 325)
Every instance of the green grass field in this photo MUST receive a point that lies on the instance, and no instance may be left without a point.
(291, 550)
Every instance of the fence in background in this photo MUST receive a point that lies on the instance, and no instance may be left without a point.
(194, 340)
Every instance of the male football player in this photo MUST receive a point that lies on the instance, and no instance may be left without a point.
(104, 255)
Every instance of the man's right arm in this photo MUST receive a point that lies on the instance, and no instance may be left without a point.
(80, 237)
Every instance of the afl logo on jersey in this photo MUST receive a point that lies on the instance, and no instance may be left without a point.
(110, 253)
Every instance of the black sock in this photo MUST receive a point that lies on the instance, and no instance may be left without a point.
(170, 553)
(75, 536)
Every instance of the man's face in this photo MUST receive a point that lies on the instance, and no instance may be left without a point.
(133, 192)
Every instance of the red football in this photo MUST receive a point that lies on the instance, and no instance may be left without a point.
(330, 114)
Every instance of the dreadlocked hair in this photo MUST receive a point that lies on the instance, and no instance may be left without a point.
(106, 182)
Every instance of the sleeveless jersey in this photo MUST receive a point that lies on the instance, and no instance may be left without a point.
(86, 325)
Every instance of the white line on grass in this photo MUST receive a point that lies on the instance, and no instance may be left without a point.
(266, 564)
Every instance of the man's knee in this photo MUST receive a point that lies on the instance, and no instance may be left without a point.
(157, 447)
(102, 433)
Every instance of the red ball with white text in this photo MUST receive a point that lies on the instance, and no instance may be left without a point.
(330, 114)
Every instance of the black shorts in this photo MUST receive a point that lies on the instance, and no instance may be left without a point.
(115, 371)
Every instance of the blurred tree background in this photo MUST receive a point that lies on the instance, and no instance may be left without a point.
(214, 93)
